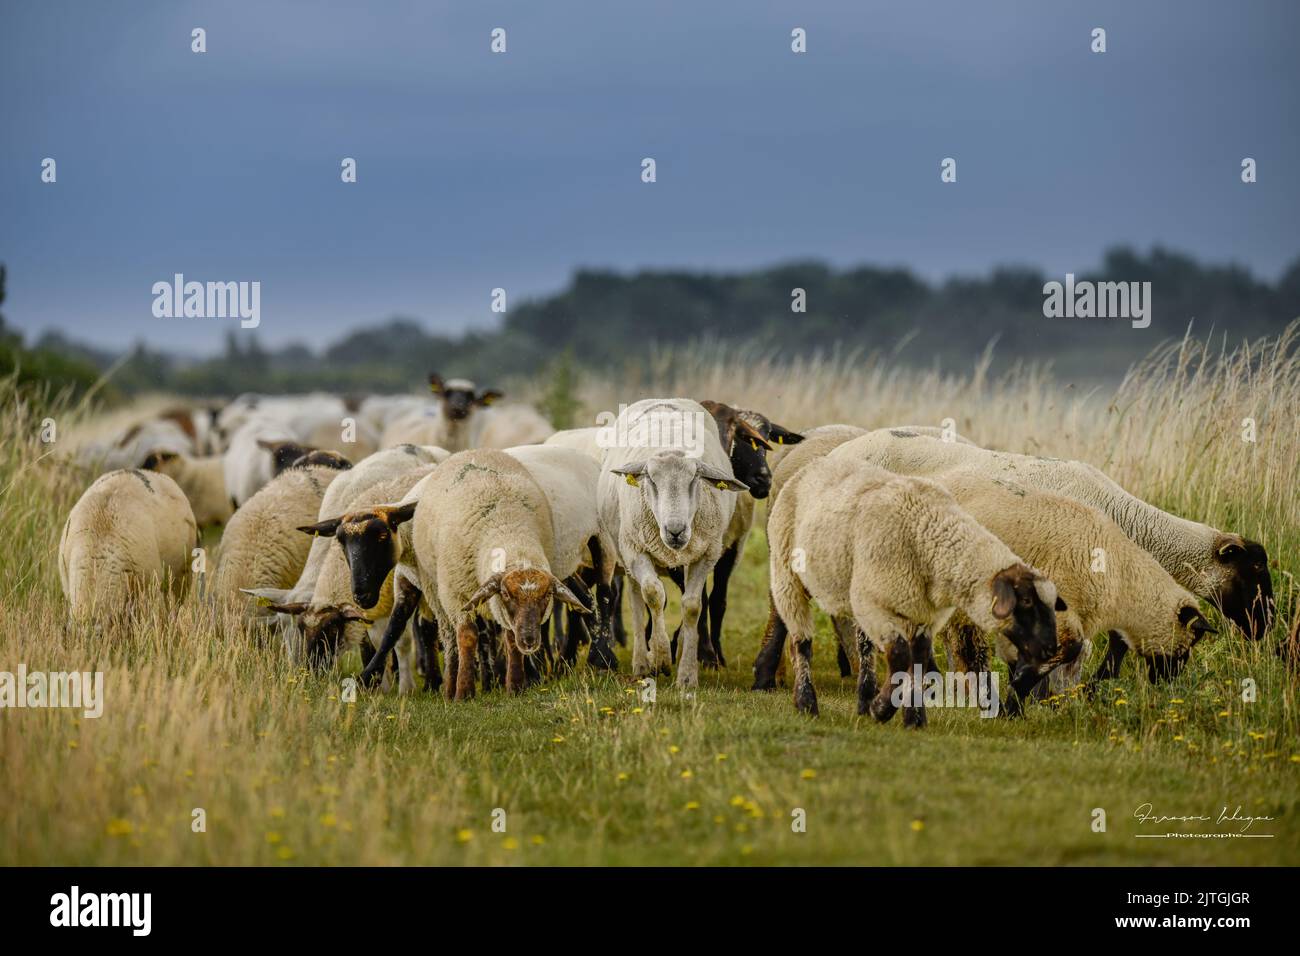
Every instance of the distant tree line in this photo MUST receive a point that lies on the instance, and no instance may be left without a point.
(605, 319)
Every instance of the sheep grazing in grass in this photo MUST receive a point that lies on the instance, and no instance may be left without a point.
(261, 546)
(1128, 595)
(129, 531)
(900, 557)
(1221, 567)
(202, 479)
(667, 496)
(482, 534)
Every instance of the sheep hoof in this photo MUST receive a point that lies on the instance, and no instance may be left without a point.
(805, 700)
(600, 656)
(882, 709)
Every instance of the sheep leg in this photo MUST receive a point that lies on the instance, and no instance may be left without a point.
(846, 643)
(718, 603)
(406, 600)
(866, 673)
(601, 653)
(405, 659)
(805, 695)
(466, 647)
(655, 598)
(688, 669)
(791, 604)
(914, 716)
(427, 634)
(616, 604)
(640, 647)
(675, 575)
(1116, 648)
(514, 665)
(769, 654)
(898, 654)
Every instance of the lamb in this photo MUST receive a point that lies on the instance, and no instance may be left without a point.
(1130, 596)
(901, 557)
(481, 532)
(1222, 567)
(261, 547)
(129, 530)
(202, 479)
(666, 500)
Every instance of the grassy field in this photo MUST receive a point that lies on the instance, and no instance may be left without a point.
(587, 773)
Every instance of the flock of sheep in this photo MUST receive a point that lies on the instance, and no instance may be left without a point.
(464, 529)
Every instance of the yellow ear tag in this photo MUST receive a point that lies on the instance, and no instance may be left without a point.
(780, 439)
(753, 444)
(262, 600)
(631, 480)
(722, 485)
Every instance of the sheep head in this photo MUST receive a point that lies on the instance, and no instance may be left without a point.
(323, 627)
(526, 595)
(1025, 603)
(460, 397)
(747, 437)
(370, 544)
(670, 485)
(1245, 594)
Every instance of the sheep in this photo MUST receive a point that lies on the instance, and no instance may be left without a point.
(1131, 597)
(450, 423)
(480, 532)
(1222, 567)
(509, 426)
(326, 431)
(382, 466)
(570, 479)
(585, 440)
(900, 556)
(202, 479)
(817, 443)
(261, 547)
(666, 500)
(129, 448)
(128, 530)
(328, 619)
(258, 450)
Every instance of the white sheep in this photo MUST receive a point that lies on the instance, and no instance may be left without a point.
(202, 479)
(128, 531)
(261, 546)
(452, 421)
(1222, 567)
(481, 532)
(667, 495)
(900, 557)
(585, 440)
(249, 462)
(509, 426)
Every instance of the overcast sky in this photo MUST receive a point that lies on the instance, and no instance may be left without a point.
(478, 170)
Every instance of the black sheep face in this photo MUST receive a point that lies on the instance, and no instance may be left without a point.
(1246, 595)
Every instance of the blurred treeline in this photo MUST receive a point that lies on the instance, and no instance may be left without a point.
(606, 319)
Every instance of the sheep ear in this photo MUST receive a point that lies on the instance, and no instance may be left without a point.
(1191, 618)
(490, 588)
(398, 514)
(488, 396)
(1229, 550)
(567, 597)
(782, 435)
(631, 472)
(719, 479)
(327, 527)
(744, 428)
(435, 383)
(1004, 596)
(265, 597)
